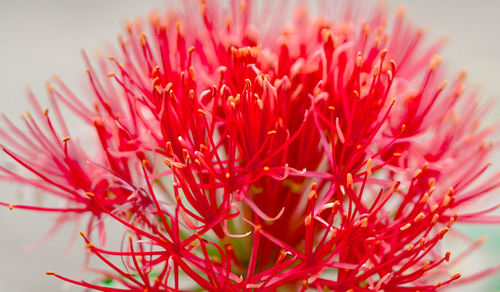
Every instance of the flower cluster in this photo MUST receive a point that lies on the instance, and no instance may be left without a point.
(243, 150)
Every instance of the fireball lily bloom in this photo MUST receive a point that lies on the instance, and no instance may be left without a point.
(245, 153)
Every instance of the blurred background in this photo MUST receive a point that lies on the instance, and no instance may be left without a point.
(41, 38)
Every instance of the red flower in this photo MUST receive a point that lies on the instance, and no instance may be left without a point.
(239, 153)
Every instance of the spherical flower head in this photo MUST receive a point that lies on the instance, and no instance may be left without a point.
(242, 152)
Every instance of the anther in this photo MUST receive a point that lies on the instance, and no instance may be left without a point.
(425, 197)
(359, 59)
(435, 62)
(83, 235)
(335, 207)
(383, 53)
(419, 217)
(482, 239)
(308, 220)
(260, 104)
(313, 195)
(447, 256)
(435, 218)
(432, 180)
(422, 242)
(349, 181)
(364, 223)
(393, 65)
(395, 187)
(326, 35)
(443, 85)
(369, 166)
(443, 232)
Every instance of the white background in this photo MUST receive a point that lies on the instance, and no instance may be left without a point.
(40, 38)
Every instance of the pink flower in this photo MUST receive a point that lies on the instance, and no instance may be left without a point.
(244, 152)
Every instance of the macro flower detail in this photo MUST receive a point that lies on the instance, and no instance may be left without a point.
(240, 151)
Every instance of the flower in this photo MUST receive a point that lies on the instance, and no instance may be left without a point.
(239, 153)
